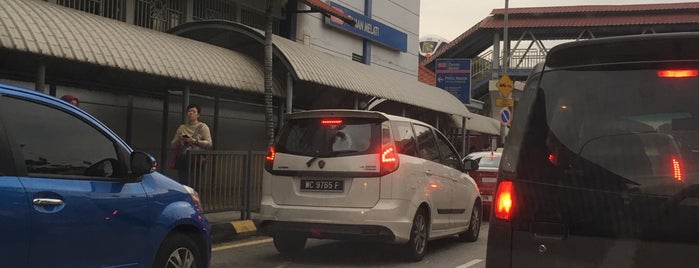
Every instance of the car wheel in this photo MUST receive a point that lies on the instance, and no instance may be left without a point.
(474, 228)
(179, 250)
(289, 244)
(417, 246)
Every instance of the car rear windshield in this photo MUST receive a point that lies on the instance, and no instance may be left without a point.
(638, 123)
(328, 137)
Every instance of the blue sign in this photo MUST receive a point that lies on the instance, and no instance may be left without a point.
(454, 76)
(370, 29)
(505, 116)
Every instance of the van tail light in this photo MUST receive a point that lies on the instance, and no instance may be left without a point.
(389, 159)
(271, 154)
(676, 169)
(504, 200)
(269, 159)
(678, 73)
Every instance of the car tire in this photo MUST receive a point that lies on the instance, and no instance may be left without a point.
(474, 227)
(289, 245)
(417, 246)
(179, 250)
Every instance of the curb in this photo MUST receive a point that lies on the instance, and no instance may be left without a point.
(231, 231)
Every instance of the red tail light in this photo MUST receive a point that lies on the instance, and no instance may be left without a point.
(676, 169)
(389, 159)
(271, 154)
(331, 121)
(504, 200)
(677, 73)
(553, 159)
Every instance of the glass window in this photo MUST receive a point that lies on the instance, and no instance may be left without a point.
(449, 156)
(53, 142)
(330, 137)
(427, 146)
(404, 138)
(624, 121)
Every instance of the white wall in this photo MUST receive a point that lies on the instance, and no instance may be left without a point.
(402, 15)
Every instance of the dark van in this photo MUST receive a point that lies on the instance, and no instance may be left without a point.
(600, 166)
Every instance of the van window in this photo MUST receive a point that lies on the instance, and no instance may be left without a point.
(427, 146)
(337, 137)
(64, 145)
(449, 155)
(404, 138)
(626, 124)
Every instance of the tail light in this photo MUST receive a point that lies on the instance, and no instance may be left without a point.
(676, 169)
(271, 154)
(269, 159)
(504, 200)
(389, 159)
(678, 73)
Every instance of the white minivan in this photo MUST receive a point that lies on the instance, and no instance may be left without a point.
(366, 175)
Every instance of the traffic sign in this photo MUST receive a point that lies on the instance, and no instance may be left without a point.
(505, 85)
(454, 76)
(501, 102)
(505, 116)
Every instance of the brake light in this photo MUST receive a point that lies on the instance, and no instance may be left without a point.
(331, 121)
(553, 159)
(677, 73)
(271, 154)
(504, 200)
(389, 159)
(677, 169)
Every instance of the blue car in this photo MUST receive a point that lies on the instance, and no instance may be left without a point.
(73, 194)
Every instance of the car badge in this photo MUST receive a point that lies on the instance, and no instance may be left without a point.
(321, 164)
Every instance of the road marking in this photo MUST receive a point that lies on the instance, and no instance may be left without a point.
(469, 264)
(249, 243)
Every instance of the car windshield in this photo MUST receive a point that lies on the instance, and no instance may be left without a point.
(633, 122)
(330, 137)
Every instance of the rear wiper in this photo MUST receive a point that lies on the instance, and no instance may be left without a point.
(314, 158)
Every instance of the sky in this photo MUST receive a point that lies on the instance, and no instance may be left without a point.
(450, 18)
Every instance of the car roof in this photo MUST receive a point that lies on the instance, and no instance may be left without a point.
(623, 49)
(16, 91)
(351, 113)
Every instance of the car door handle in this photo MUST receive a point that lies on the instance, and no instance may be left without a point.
(548, 230)
(429, 172)
(47, 201)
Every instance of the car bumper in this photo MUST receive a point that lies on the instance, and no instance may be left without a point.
(388, 221)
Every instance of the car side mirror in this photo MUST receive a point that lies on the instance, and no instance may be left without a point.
(470, 164)
(142, 164)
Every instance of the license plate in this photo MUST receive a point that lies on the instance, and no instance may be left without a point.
(489, 179)
(488, 198)
(322, 185)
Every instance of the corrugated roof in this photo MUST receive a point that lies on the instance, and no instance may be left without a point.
(573, 18)
(321, 68)
(314, 66)
(426, 76)
(480, 124)
(51, 30)
(598, 8)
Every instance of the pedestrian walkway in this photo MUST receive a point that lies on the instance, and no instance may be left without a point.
(230, 226)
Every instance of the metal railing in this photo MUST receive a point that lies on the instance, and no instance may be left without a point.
(113, 9)
(159, 15)
(520, 59)
(227, 180)
(214, 9)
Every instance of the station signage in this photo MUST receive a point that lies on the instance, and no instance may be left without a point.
(370, 29)
(454, 76)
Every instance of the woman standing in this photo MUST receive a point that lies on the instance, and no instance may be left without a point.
(194, 135)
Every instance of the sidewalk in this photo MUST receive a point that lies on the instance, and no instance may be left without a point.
(228, 226)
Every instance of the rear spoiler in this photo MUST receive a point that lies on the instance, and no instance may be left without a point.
(337, 113)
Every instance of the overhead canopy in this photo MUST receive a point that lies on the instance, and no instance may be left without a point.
(53, 31)
(312, 67)
(480, 124)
